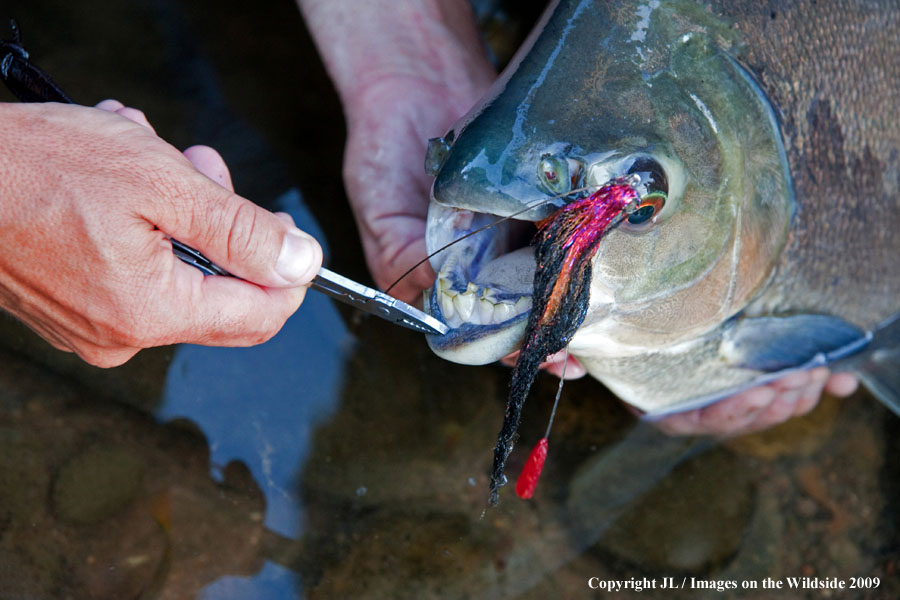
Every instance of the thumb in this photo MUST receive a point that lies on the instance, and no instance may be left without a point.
(241, 237)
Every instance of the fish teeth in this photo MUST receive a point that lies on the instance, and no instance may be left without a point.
(503, 311)
(465, 305)
(485, 311)
(447, 306)
(444, 285)
(476, 305)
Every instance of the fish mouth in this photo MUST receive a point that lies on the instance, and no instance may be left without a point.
(483, 290)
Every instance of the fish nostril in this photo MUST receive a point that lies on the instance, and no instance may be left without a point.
(553, 174)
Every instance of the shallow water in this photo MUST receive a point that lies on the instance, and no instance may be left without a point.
(343, 459)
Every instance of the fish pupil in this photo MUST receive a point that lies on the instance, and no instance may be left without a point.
(642, 215)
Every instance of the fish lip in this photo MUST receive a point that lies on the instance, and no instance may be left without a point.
(475, 344)
(467, 333)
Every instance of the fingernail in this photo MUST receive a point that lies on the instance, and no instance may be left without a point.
(297, 254)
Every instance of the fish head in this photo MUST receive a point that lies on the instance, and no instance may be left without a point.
(599, 93)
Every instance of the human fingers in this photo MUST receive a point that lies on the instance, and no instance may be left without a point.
(562, 364)
(231, 311)
(842, 384)
(286, 218)
(555, 364)
(729, 415)
(227, 311)
(243, 238)
(110, 105)
(209, 162)
(795, 395)
(132, 114)
(752, 410)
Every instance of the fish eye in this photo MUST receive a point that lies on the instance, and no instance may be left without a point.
(553, 174)
(652, 188)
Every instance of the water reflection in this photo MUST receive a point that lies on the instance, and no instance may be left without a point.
(273, 582)
(261, 404)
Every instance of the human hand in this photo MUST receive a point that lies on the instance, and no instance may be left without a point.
(385, 178)
(89, 200)
(560, 364)
(405, 71)
(761, 407)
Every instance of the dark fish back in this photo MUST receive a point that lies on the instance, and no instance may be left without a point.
(832, 72)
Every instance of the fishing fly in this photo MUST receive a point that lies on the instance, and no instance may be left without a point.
(531, 472)
(564, 244)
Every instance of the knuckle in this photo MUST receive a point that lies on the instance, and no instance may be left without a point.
(179, 203)
(242, 232)
(133, 114)
(269, 324)
(106, 358)
(265, 330)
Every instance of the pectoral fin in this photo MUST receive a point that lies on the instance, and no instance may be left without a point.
(776, 346)
(773, 344)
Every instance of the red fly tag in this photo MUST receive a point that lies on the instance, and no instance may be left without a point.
(532, 470)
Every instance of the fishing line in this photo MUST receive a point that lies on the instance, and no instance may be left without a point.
(562, 380)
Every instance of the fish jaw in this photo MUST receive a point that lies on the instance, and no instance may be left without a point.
(484, 285)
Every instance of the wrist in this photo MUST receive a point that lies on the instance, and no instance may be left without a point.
(432, 42)
(16, 138)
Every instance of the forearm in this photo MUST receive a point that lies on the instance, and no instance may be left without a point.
(364, 42)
